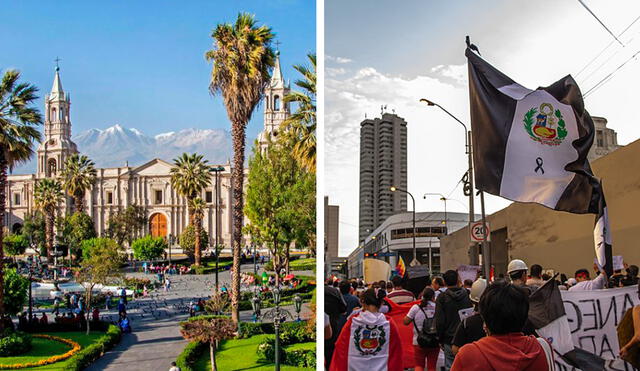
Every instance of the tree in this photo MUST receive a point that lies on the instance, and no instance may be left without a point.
(197, 206)
(33, 229)
(148, 247)
(15, 287)
(209, 330)
(15, 244)
(188, 240)
(125, 224)
(78, 175)
(75, 229)
(301, 125)
(280, 202)
(47, 194)
(18, 132)
(100, 265)
(242, 58)
(189, 176)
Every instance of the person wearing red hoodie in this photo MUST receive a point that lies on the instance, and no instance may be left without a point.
(504, 307)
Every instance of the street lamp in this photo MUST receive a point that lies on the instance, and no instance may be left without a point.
(469, 176)
(276, 325)
(415, 261)
(217, 171)
(170, 244)
(444, 199)
(297, 303)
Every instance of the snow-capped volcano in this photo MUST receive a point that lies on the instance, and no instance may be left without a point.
(117, 146)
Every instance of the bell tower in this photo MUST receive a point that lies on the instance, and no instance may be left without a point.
(56, 145)
(275, 109)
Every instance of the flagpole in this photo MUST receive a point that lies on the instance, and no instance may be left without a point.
(486, 245)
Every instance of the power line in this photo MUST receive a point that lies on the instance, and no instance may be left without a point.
(609, 76)
(598, 19)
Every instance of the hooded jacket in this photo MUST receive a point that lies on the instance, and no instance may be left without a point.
(509, 352)
(447, 315)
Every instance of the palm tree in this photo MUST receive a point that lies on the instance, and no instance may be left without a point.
(18, 132)
(189, 176)
(197, 206)
(47, 195)
(242, 57)
(301, 125)
(78, 175)
(209, 330)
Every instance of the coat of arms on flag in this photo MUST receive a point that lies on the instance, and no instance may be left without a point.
(369, 340)
(545, 124)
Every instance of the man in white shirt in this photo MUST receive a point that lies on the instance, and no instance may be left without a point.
(585, 284)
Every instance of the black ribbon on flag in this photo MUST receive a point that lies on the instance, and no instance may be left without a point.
(539, 162)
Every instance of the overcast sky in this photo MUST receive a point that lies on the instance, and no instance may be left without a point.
(394, 53)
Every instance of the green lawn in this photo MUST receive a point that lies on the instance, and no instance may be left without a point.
(45, 348)
(241, 354)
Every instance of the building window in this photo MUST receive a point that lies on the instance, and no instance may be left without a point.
(276, 103)
(208, 197)
(16, 199)
(600, 138)
(158, 199)
(53, 167)
(109, 198)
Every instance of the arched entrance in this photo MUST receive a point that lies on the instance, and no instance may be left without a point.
(158, 225)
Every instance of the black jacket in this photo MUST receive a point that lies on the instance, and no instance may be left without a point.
(447, 317)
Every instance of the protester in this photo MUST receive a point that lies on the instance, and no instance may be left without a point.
(467, 284)
(584, 283)
(635, 339)
(448, 306)
(399, 295)
(369, 341)
(536, 277)
(631, 278)
(334, 307)
(421, 315)
(505, 308)
(437, 283)
(351, 301)
(471, 328)
(517, 271)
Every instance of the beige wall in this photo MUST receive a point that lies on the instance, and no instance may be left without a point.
(563, 241)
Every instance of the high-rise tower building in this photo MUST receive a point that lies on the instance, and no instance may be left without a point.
(383, 163)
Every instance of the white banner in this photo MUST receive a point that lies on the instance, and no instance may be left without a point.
(593, 319)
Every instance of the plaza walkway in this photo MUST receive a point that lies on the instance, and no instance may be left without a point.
(156, 340)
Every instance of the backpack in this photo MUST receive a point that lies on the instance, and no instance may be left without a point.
(427, 337)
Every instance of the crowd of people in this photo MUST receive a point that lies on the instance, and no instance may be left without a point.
(475, 325)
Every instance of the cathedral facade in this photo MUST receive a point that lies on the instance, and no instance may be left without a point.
(147, 185)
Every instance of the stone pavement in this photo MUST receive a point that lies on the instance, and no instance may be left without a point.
(156, 340)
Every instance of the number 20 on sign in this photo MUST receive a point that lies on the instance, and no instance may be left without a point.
(476, 232)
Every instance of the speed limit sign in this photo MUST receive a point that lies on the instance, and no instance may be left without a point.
(476, 232)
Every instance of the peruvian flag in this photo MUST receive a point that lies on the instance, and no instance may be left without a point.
(532, 146)
(368, 341)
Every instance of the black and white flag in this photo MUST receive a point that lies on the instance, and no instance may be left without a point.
(532, 145)
(548, 317)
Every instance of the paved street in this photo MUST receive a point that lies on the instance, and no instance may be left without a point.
(156, 340)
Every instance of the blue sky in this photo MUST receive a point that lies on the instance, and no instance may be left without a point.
(140, 63)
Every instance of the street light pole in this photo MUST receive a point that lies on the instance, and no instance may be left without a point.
(469, 175)
(217, 171)
(415, 261)
(442, 198)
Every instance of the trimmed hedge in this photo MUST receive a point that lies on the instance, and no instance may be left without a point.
(290, 332)
(14, 343)
(88, 355)
(190, 355)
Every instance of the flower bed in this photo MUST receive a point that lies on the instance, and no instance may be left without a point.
(75, 348)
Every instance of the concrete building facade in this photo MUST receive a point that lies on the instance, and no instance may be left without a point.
(561, 241)
(606, 139)
(383, 163)
(331, 232)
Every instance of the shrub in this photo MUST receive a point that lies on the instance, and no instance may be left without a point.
(15, 244)
(97, 243)
(15, 291)
(300, 358)
(267, 349)
(14, 343)
(148, 247)
(296, 332)
(249, 329)
(94, 351)
(190, 355)
(188, 241)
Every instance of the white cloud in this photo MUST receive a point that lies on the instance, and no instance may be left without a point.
(340, 60)
(456, 72)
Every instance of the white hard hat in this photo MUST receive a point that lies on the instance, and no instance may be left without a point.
(477, 289)
(516, 265)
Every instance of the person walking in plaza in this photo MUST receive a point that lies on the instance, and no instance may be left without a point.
(505, 309)
(369, 340)
(399, 295)
(167, 284)
(425, 341)
(107, 301)
(448, 306)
